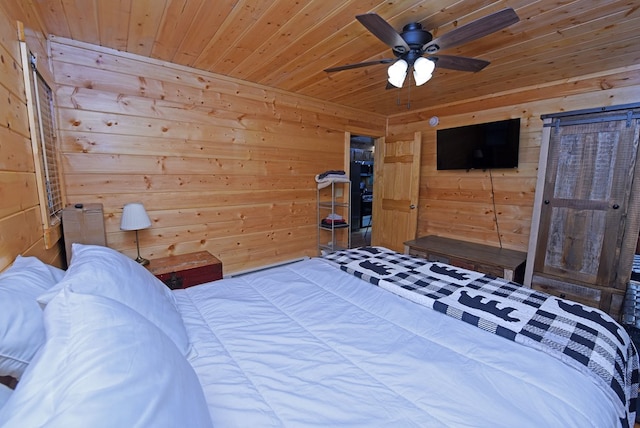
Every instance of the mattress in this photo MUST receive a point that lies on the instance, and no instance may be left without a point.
(309, 345)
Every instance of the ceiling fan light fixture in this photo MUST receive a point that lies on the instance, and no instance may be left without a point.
(423, 70)
(397, 72)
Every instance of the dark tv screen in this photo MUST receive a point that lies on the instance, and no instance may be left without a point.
(481, 146)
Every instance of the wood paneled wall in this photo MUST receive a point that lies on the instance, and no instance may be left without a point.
(460, 204)
(219, 164)
(20, 223)
(228, 166)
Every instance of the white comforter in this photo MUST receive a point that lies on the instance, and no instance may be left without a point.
(309, 345)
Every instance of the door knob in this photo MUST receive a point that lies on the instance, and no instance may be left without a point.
(546, 201)
(413, 207)
(615, 206)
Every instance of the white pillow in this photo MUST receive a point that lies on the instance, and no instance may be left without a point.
(21, 327)
(105, 272)
(104, 365)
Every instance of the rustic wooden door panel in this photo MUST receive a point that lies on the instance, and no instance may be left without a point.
(587, 187)
(570, 247)
(396, 191)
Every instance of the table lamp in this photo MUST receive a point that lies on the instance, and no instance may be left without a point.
(134, 217)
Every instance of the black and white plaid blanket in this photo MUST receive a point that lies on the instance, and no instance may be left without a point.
(583, 337)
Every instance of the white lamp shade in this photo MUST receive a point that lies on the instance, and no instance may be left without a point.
(397, 73)
(423, 70)
(134, 217)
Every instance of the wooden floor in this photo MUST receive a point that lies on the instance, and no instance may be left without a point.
(361, 238)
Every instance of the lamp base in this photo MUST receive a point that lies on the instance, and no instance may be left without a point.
(142, 261)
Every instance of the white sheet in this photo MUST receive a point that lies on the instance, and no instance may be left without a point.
(308, 345)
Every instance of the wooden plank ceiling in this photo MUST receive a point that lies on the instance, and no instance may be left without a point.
(287, 44)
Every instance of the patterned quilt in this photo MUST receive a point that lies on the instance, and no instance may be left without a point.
(583, 337)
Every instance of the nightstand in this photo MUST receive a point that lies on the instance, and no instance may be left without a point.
(186, 270)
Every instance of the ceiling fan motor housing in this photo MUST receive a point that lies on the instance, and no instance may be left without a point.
(416, 37)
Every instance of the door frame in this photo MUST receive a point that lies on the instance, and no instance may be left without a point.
(537, 204)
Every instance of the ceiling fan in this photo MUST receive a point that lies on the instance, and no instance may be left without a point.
(416, 48)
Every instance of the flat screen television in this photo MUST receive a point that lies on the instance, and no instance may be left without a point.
(481, 146)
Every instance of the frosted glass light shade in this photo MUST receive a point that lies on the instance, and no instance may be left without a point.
(134, 217)
(423, 70)
(397, 73)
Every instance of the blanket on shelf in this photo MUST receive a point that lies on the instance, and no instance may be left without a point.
(583, 337)
(332, 176)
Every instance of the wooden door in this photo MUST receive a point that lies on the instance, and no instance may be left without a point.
(585, 202)
(396, 191)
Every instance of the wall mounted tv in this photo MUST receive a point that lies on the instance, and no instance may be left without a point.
(481, 146)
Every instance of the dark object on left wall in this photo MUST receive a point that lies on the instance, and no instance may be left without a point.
(9, 381)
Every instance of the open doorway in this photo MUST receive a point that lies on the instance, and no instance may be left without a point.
(361, 175)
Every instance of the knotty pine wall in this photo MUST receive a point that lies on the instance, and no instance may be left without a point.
(219, 164)
(229, 167)
(460, 204)
(20, 223)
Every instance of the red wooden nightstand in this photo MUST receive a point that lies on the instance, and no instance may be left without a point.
(186, 270)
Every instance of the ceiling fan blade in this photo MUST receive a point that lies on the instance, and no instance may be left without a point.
(459, 63)
(360, 64)
(384, 31)
(473, 30)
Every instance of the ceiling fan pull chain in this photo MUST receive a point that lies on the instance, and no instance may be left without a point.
(409, 95)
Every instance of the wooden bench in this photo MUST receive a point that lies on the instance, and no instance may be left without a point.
(499, 262)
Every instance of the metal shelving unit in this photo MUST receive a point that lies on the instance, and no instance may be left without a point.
(334, 199)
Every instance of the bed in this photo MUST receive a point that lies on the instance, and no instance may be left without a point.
(365, 337)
